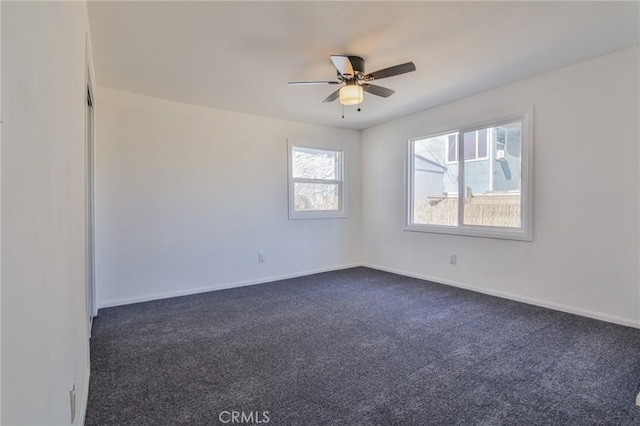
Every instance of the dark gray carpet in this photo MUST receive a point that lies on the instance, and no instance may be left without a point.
(359, 347)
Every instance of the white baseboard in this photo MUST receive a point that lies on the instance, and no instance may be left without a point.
(503, 294)
(85, 398)
(222, 286)
(638, 400)
(511, 296)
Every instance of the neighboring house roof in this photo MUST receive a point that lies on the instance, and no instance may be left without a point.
(426, 164)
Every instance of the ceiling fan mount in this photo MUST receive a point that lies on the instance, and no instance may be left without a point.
(357, 65)
(351, 72)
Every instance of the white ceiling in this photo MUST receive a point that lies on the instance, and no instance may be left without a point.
(239, 56)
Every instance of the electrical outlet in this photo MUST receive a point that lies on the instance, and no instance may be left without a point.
(261, 258)
(72, 401)
(453, 259)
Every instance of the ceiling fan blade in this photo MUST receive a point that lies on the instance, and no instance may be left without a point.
(311, 83)
(332, 97)
(378, 90)
(343, 65)
(390, 72)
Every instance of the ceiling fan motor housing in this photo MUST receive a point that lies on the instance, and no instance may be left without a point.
(357, 63)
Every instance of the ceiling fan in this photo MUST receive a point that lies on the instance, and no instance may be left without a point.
(356, 82)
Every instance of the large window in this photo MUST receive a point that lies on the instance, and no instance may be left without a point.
(315, 183)
(488, 194)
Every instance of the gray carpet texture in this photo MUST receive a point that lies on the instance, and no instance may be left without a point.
(358, 347)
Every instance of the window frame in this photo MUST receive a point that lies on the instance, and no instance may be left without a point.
(525, 232)
(342, 198)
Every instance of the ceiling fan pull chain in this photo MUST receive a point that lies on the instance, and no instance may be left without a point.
(343, 111)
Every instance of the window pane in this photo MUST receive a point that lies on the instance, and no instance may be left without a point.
(316, 196)
(492, 195)
(311, 163)
(469, 145)
(435, 183)
(453, 148)
(482, 143)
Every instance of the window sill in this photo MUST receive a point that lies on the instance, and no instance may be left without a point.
(474, 231)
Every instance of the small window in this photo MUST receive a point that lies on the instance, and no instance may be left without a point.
(475, 146)
(487, 194)
(315, 183)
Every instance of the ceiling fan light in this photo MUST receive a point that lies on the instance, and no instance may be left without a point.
(351, 95)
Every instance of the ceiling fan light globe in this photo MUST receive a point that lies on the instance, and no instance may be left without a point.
(351, 95)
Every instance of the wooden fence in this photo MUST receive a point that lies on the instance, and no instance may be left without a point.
(487, 210)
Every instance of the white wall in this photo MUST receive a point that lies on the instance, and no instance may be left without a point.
(187, 196)
(0, 210)
(584, 256)
(44, 327)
